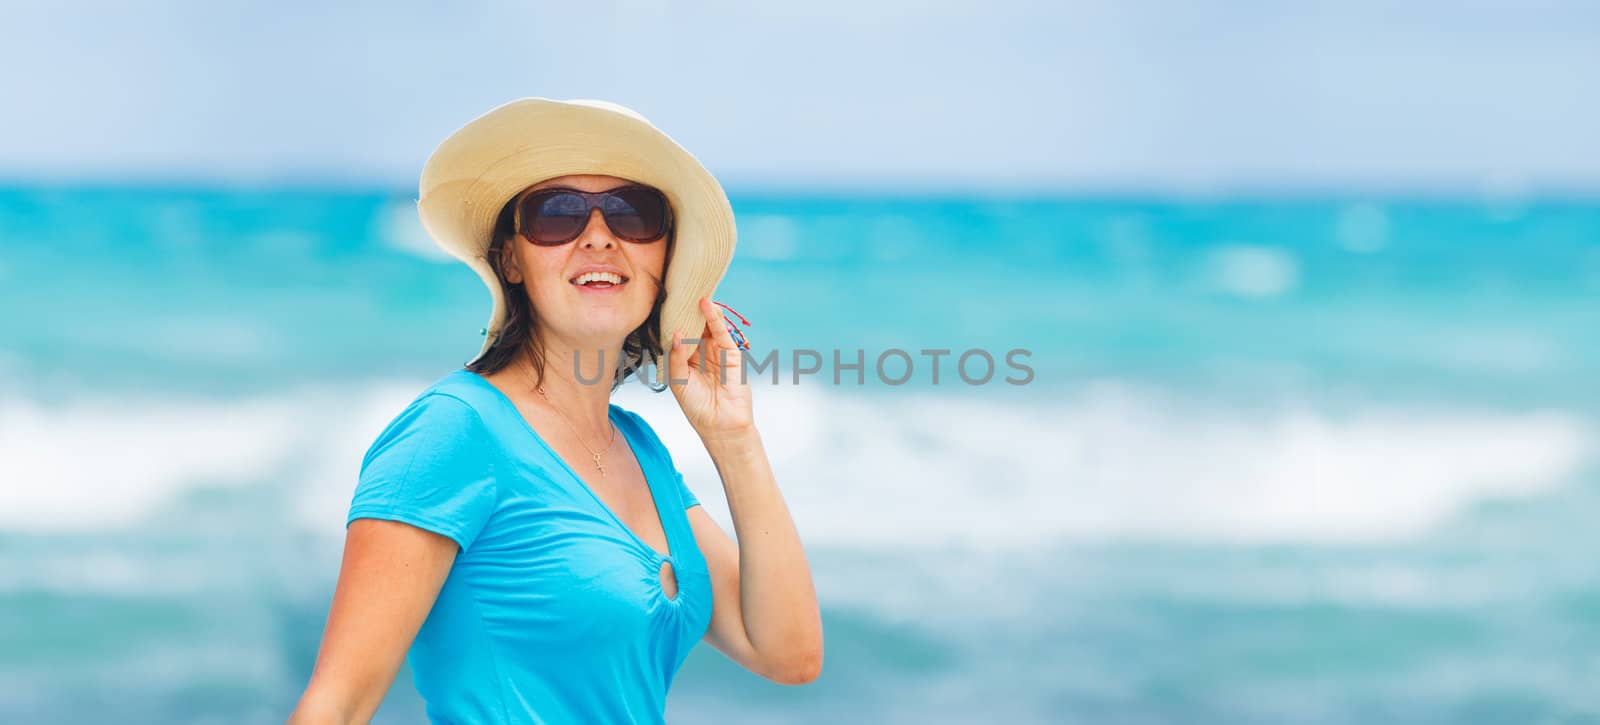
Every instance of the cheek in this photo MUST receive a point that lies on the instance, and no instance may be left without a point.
(542, 268)
(657, 260)
(649, 261)
(540, 277)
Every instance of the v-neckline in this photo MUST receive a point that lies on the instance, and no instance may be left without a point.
(644, 470)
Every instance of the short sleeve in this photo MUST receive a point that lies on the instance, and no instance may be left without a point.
(689, 501)
(432, 467)
(660, 450)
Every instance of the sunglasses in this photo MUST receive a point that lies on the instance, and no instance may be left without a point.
(551, 217)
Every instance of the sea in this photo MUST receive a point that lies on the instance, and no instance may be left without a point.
(1233, 458)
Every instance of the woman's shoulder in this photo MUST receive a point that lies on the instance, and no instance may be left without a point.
(449, 408)
(466, 387)
(464, 397)
(634, 421)
(431, 419)
(640, 429)
(433, 466)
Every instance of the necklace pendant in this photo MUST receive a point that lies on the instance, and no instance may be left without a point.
(597, 465)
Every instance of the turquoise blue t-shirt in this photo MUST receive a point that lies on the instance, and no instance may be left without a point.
(554, 611)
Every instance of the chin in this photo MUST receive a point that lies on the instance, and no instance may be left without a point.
(608, 327)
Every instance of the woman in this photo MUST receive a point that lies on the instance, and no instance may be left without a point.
(527, 544)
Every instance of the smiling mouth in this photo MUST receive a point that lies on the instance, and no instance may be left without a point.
(599, 280)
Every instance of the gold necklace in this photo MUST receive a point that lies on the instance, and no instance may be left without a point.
(597, 464)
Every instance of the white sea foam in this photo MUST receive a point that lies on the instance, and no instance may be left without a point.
(94, 462)
(1253, 271)
(902, 470)
(1120, 461)
(88, 462)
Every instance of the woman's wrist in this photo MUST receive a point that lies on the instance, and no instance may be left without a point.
(732, 444)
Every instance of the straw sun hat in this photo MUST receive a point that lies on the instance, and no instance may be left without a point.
(471, 175)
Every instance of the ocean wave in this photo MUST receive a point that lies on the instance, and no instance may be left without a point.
(1123, 461)
(906, 470)
(98, 461)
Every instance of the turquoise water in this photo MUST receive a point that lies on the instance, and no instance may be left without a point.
(1316, 460)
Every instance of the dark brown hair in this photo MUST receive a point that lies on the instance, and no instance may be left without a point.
(519, 331)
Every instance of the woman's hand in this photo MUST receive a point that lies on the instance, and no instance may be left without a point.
(765, 615)
(708, 379)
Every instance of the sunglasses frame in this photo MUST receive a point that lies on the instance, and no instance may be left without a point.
(592, 199)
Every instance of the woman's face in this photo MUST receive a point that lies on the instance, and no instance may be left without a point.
(586, 317)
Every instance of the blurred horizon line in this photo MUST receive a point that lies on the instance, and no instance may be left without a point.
(1499, 191)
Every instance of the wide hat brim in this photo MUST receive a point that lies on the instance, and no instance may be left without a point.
(471, 175)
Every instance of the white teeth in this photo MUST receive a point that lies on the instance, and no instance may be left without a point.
(588, 277)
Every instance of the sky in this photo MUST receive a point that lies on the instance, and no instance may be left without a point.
(1136, 94)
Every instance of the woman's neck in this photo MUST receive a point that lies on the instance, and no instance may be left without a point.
(578, 380)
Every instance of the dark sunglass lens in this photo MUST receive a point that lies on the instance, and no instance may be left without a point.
(555, 218)
(636, 214)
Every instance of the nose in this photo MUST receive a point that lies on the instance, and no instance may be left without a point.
(596, 233)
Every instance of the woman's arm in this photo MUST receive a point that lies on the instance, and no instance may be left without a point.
(765, 615)
(390, 577)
